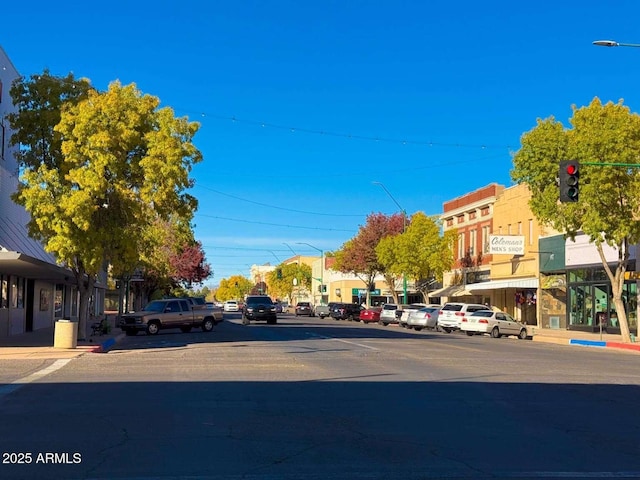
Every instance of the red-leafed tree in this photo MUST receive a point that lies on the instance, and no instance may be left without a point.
(358, 255)
(189, 265)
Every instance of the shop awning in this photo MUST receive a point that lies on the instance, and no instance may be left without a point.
(451, 291)
(500, 284)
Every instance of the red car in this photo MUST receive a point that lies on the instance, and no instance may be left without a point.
(370, 315)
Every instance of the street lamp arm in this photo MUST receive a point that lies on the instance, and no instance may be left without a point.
(613, 43)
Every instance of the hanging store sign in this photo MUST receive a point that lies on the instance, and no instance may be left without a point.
(506, 244)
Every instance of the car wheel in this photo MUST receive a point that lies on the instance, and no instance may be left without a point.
(207, 325)
(272, 321)
(447, 330)
(185, 329)
(417, 328)
(153, 328)
(495, 333)
(130, 332)
(470, 334)
(385, 324)
(523, 334)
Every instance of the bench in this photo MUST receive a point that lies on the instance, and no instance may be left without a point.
(99, 328)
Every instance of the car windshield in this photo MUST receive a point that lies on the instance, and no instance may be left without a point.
(259, 301)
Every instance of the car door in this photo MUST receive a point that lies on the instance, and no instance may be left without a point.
(172, 316)
(512, 324)
(504, 323)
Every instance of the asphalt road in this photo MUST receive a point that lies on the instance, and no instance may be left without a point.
(319, 399)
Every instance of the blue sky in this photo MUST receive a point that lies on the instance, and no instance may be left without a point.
(304, 104)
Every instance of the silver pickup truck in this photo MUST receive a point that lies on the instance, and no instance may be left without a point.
(167, 313)
(322, 311)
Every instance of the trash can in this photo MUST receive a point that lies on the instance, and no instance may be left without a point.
(66, 334)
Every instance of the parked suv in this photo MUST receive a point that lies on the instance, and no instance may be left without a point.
(304, 308)
(388, 314)
(259, 307)
(345, 311)
(451, 314)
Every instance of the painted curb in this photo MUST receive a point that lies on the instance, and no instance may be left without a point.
(107, 344)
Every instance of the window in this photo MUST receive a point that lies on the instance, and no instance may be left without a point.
(509, 229)
(519, 228)
(2, 140)
(460, 218)
(485, 211)
(485, 239)
(472, 215)
(473, 234)
(449, 222)
(461, 245)
(4, 291)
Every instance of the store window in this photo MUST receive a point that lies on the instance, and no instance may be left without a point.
(4, 291)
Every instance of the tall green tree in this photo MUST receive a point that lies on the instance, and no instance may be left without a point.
(233, 288)
(608, 206)
(292, 277)
(123, 163)
(358, 255)
(421, 252)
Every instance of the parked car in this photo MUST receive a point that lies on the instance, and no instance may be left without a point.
(406, 311)
(231, 306)
(345, 311)
(278, 306)
(450, 315)
(388, 314)
(164, 314)
(323, 310)
(495, 323)
(304, 308)
(426, 317)
(370, 315)
(259, 307)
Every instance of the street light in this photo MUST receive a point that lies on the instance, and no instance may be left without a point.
(279, 261)
(613, 43)
(321, 268)
(404, 227)
(292, 251)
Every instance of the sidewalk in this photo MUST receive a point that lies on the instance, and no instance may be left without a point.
(39, 344)
(583, 339)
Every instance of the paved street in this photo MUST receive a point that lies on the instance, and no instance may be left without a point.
(312, 399)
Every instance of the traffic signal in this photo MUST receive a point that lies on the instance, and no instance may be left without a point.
(279, 273)
(569, 181)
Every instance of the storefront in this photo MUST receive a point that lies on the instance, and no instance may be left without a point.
(590, 301)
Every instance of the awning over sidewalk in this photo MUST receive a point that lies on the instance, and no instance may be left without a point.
(500, 284)
(451, 291)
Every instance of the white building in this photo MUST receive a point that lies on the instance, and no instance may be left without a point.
(34, 290)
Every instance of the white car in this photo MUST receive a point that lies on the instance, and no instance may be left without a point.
(408, 310)
(388, 314)
(426, 317)
(495, 323)
(231, 306)
(451, 314)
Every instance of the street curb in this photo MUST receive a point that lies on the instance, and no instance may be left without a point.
(601, 344)
(107, 344)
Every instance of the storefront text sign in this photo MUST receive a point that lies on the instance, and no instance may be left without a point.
(506, 244)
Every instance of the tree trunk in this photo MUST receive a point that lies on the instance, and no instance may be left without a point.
(617, 286)
(85, 289)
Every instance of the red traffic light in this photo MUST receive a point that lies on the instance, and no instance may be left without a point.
(572, 169)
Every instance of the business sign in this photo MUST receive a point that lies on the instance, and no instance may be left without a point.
(506, 244)
(362, 292)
